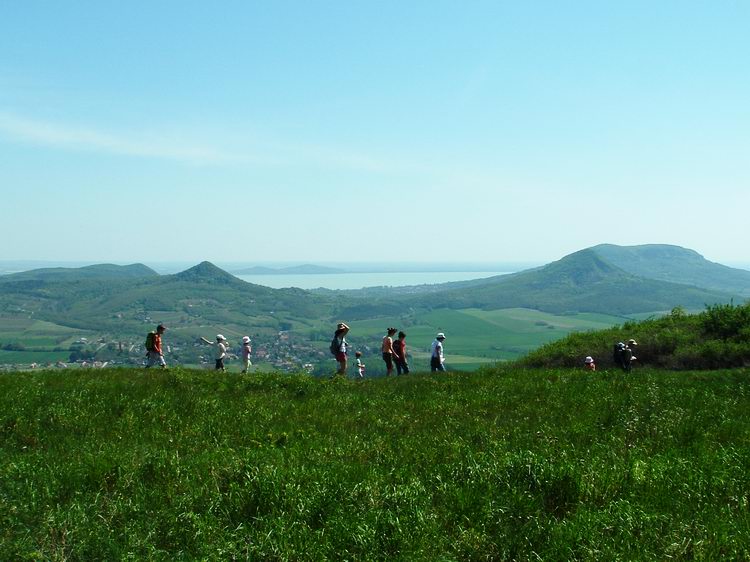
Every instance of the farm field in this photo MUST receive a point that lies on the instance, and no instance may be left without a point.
(505, 463)
(476, 337)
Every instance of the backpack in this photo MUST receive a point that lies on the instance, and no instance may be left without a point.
(397, 347)
(150, 341)
(617, 353)
(335, 346)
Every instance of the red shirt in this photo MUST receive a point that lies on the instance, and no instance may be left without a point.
(157, 343)
(399, 348)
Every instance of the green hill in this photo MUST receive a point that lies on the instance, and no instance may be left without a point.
(203, 295)
(90, 272)
(293, 326)
(676, 265)
(583, 282)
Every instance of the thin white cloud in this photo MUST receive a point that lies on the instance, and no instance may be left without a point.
(82, 139)
(237, 149)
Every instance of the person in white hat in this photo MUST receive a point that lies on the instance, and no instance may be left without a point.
(437, 358)
(589, 363)
(246, 350)
(628, 355)
(220, 352)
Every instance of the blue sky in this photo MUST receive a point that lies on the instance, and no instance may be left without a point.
(371, 131)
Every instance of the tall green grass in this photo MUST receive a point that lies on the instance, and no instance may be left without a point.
(551, 464)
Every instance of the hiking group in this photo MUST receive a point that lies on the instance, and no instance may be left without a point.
(155, 355)
(393, 352)
(623, 356)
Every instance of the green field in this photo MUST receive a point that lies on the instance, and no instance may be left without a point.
(477, 337)
(27, 357)
(503, 464)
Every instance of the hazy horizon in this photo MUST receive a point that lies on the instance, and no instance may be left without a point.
(167, 267)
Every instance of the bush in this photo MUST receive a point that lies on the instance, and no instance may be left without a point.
(717, 338)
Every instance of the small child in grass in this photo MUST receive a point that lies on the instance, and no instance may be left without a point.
(589, 363)
(246, 350)
(360, 365)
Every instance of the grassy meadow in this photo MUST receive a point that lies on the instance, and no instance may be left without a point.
(504, 463)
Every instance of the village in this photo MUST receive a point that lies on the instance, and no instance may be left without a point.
(281, 351)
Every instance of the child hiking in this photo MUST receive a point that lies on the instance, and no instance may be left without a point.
(360, 365)
(246, 350)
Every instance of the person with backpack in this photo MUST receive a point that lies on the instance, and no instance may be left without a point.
(154, 354)
(623, 356)
(628, 356)
(339, 346)
(399, 347)
(388, 352)
(437, 358)
(617, 355)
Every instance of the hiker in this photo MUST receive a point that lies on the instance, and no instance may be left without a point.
(623, 356)
(589, 363)
(399, 347)
(360, 365)
(617, 355)
(246, 350)
(339, 345)
(220, 352)
(154, 354)
(628, 356)
(388, 352)
(437, 359)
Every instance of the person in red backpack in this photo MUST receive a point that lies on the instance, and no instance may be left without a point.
(399, 356)
(154, 353)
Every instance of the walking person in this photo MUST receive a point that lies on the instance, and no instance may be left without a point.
(399, 347)
(154, 353)
(246, 350)
(437, 357)
(388, 352)
(628, 356)
(339, 346)
(220, 352)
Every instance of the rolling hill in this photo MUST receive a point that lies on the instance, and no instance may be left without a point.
(204, 293)
(676, 265)
(103, 271)
(583, 282)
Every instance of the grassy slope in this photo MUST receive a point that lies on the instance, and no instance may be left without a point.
(508, 464)
(718, 337)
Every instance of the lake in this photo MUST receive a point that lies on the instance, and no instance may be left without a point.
(361, 280)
